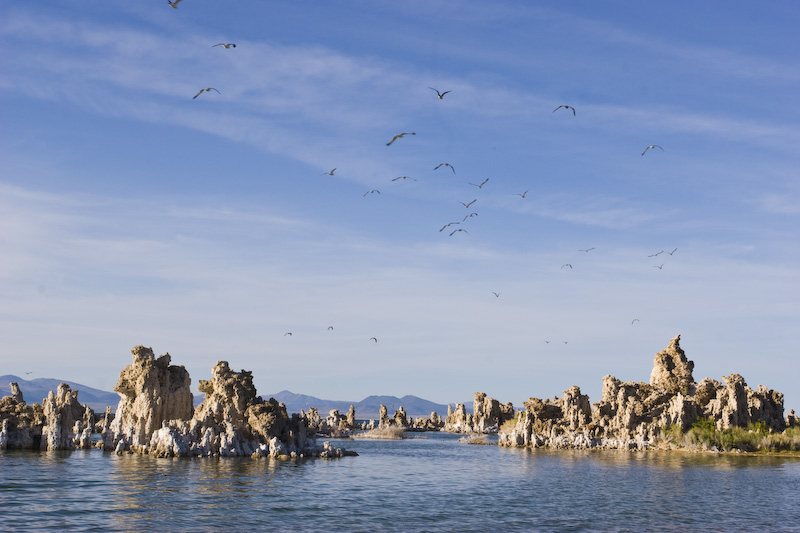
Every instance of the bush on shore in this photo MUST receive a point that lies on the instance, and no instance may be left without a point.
(756, 437)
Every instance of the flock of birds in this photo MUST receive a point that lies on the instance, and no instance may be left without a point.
(440, 95)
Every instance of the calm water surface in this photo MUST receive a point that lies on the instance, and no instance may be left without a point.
(433, 483)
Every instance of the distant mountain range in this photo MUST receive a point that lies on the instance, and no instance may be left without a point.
(368, 408)
(36, 390)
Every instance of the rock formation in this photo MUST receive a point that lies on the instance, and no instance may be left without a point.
(632, 415)
(21, 423)
(488, 415)
(65, 421)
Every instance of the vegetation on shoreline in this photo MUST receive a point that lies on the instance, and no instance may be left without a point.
(756, 437)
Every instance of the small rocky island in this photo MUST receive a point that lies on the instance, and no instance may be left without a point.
(155, 415)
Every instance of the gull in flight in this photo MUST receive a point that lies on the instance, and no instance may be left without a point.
(372, 191)
(399, 135)
(469, 204)
(496, 294)
(522, 195)
(205, 90)
(481, 184)
(226, 45)
(655, 254)
(587, 249)
(31, 372)
(548, 342)
(441, 95)
(445, 165)
(449, 224)
(288, 333)
(566, 265)
(329, 173)
(673, 251)
(403, 178)
(659, 266)
(330, 328)
(565, 107)
(373, 339)
(173, 3)
(459, 229)
(634, 320)
(652, 146)
(470, 215)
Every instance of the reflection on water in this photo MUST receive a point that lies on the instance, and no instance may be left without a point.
(418, 484)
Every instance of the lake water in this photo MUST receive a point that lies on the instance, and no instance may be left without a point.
(429, 483)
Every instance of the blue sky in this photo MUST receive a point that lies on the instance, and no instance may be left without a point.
(133, 213)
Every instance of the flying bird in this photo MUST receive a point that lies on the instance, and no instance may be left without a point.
(449, 224)
(481, 184)
(659, 266)
(548, 342)
(445, 165)
(399, 135)
(288, 333)
(173, 3)
(496, 294)
(587, 249)
(470, 215)
(655, 254)
(459, 229)
(566, 265)
(522, 194)
(441, 95)
(205, 90)
(329, 173)
(330, 328)
(673, 251)
(226, 45)
(565, 107)
(403, 178)
(652, 146)
(31, 372)
(469, 204)
(372, 191)
(634, 320)
(566, 342)
(373, 339)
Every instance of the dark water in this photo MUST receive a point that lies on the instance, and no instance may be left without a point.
(435, 483)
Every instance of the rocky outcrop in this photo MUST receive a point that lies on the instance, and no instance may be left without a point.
(21, 423)
(632, 415)
(152, 391)
(488, 415)
(67, 423)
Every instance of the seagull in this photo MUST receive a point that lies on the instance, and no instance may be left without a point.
(449, 224)
(206, 90)
(566, 342)
(31, 372)
(397, 137)
(653, 146)
(446, 165)
(288, 333)
(173, 3)
(548, 342)
(587, 249)
(522, 195)
(481, 185)
(496, 294)
(655, 254)
(228, 45)
(329, 173)
(330, 328)
(373, 190)
(373, 339)
(673, 251)
(403, 178)
(565, 107)
(659, 266)
(469, 204)
(566, 265)
(634, 320)
(470, 215)
(459, 229)
(441, 95)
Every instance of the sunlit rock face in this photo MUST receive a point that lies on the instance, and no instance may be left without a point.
(152, 391)
(65, 420)
(633, 415)
(487, 416)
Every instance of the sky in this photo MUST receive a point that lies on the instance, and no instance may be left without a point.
(137, 208)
